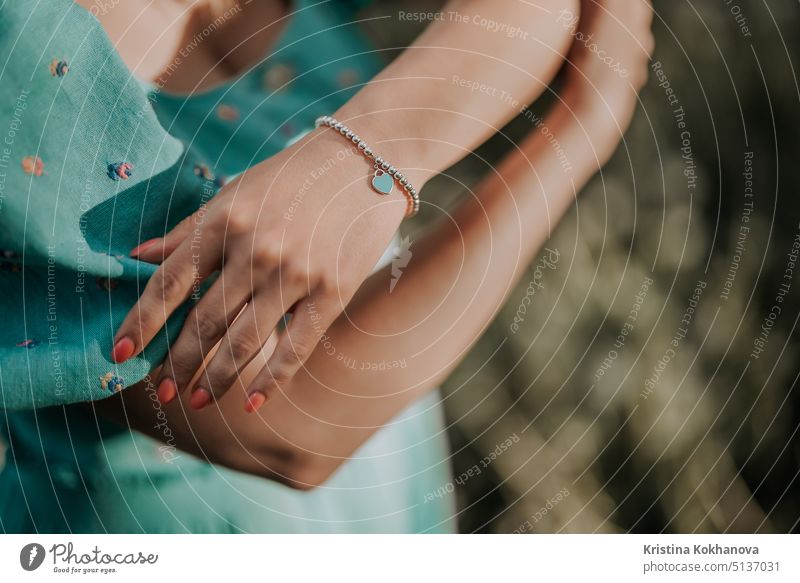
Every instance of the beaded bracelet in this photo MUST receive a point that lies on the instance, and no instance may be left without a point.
(385, 174)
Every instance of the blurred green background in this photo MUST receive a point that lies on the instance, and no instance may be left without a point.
(627, 435)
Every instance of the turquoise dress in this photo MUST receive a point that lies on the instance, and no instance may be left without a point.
(91, 164)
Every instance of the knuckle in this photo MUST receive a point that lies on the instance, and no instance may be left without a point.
(331, 286)
(237, 223)
(295, 273)
(266, 255)
(169, 285)
(297, 352)
(282, 374)
(242, 346)
(205, 327)
(146, 321)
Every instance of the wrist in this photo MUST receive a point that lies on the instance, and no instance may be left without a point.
(394, 137)
(342, 162)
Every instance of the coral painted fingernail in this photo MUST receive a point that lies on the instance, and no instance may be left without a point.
(254, 402)
(167, 391)
(122, 350)
(199, 399)
(136, 251)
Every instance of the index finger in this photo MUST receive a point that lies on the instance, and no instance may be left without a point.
(171, 284)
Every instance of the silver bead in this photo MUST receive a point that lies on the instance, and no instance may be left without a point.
(368, 152)
(398, 176)
(384, 165)
(362, 146)
(349, 134)
(378, 161)
(403, 182)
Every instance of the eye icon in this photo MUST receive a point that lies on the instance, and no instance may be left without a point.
(31, 556)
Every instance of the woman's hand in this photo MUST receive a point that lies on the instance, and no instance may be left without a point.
(422, 113)
(298, 232)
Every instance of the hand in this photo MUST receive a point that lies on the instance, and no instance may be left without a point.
(608, 62)
(298, 232)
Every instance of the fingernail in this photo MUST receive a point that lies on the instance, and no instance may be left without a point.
(136, 251)
(254, 401)
(122, 350)
(199, 399)
(167, 391)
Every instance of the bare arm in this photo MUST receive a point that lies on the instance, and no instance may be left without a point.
(459, 276)
(273, 252)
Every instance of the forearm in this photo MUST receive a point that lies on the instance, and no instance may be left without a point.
(459, 276)
(465, 77)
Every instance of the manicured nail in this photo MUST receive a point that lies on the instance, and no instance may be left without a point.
(199, 399)
(167, 391)
(254, 401)
(136, 251)
(122, 350)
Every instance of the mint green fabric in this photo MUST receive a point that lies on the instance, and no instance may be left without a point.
(91, 164)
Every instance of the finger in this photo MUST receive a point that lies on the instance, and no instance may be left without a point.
(310, 318)
(172, 283)
(243, 342)
(204, 327)
(158, 249)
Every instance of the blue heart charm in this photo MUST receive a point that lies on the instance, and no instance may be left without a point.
(382, 182)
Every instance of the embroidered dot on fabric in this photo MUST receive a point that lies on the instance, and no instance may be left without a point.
(33, 165)
(120, 170)
(112, 383)
(29, 343)
(107, 283)
(288, 130)
(227, 112)
(59, 68)
(278, 76)
(348, 78)
(204, 172)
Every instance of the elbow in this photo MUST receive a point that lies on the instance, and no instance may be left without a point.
(309, 474)
(294, 468)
